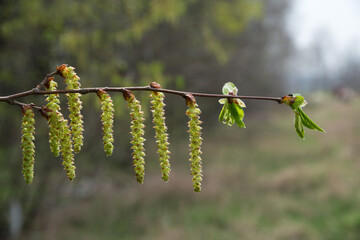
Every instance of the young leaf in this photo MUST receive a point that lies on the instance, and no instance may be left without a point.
(238, 114)
(308, 122)
(299, 126)
(232, 110)
(229, 88)
(297, 102)
(224, 111)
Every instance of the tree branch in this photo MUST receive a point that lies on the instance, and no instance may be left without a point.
(37, 91)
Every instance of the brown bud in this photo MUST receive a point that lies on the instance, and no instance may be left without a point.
(190, 99)
(155, 85)
(100, 92)
(45, 112)
(289, 99)
(24, 108)
(61, 69)
(128, 95)
(47, 83)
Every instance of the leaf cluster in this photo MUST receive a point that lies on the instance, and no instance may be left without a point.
(297, 102)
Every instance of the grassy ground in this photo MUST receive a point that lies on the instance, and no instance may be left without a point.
(258, 184)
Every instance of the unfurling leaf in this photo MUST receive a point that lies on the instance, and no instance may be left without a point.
(232, 111)
(229, 89)
(308, 122)
(238, 114)
(297, 102)
(299, 126)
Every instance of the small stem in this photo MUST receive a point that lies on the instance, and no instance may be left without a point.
(45, 80)
(20, 104)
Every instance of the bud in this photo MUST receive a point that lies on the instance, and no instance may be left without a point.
(128, 95)
(155, 85)
(60, 70)
(190, 100)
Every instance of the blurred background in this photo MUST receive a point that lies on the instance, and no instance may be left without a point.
(262, 182)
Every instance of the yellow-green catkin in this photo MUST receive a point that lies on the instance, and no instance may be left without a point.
(107, 119)
(137, 133)
(67, 150)
(75, 106)
(27, 143)
(193, 113)
(158, 112)
(54, 117)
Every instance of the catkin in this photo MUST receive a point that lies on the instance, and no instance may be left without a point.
(137, 133)
(54, 117)
(27, 143)
(75, 106)
(161, 135)
(193, 113)
(107, 119)
(67, 150)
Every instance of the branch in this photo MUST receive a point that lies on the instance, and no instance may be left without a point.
(66, 136)
(36, 91)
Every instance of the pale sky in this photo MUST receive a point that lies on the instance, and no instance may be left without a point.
(338, 20)
(326, 33)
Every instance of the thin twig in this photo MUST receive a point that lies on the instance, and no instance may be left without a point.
(45, 80)
(35, 91)
(10, 99)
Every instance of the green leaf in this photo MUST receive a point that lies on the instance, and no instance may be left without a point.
(223, 112)
(308, 122)
(231, 112)
(298, 101)
(299, 126)
(237, 113)
(228, 88)
(223, 101)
